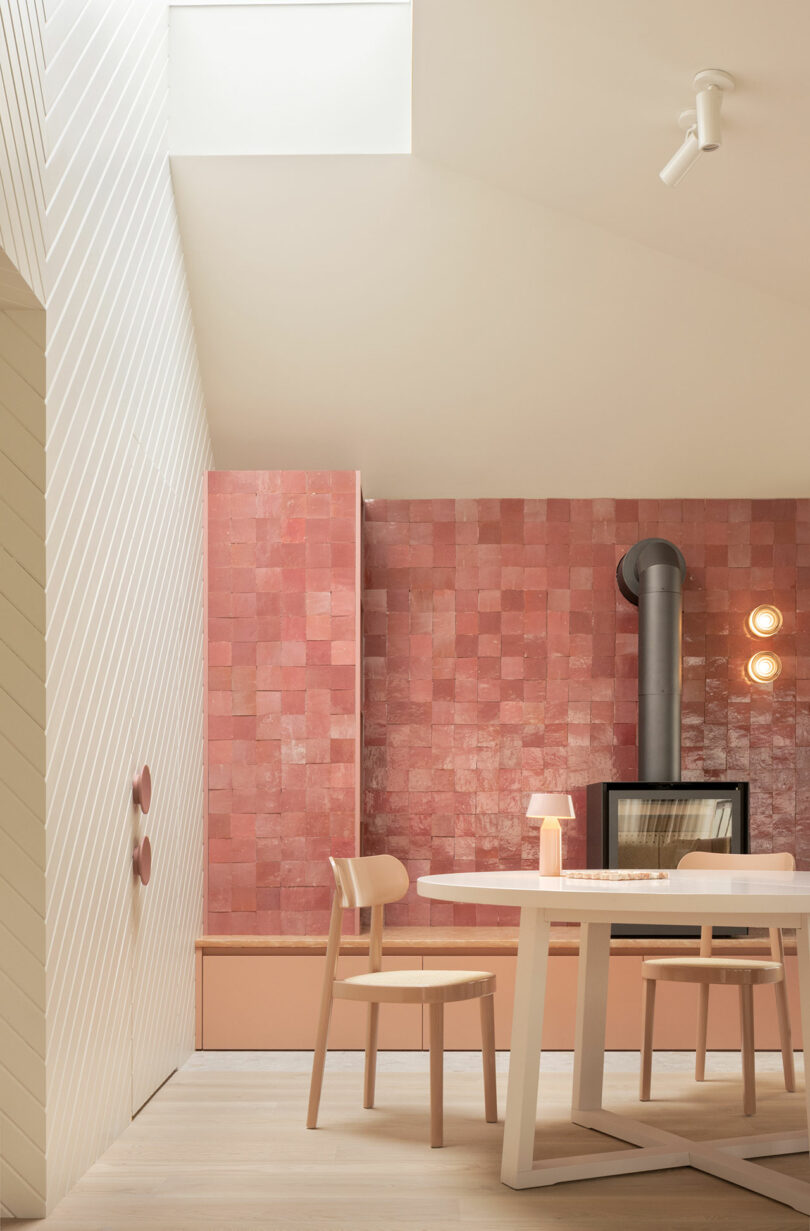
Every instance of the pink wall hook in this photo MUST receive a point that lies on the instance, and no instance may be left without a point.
(142, 789)
(142, 860)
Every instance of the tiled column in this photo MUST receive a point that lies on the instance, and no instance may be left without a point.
(283, 708)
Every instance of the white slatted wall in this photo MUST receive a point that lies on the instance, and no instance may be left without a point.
(127, 437)
(22, 152)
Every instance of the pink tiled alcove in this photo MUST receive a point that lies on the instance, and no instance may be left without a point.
(282, 695)
(499, 658)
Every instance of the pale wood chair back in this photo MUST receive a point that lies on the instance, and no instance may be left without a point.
(714, 861)
(369, 880)
(777, 861)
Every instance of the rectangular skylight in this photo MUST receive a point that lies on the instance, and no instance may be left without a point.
(290, 77)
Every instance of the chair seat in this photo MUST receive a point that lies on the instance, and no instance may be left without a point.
(737, 971)
(416, 986)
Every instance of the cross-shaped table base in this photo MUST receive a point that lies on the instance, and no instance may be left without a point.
(656, 1150)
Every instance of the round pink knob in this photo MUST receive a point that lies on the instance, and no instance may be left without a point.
(142, 860)
(142, 789)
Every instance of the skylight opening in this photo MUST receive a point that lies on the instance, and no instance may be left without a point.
(290, 77)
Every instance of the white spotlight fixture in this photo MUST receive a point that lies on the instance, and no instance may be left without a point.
(687, 155)
(702, 126)
(710, 85)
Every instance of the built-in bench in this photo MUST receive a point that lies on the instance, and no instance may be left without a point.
(262, 992)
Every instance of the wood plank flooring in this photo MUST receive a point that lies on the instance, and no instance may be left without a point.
(228, 1151)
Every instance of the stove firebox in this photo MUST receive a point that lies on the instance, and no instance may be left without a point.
(654, 824)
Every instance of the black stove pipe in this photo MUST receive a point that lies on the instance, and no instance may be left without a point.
(650, 575)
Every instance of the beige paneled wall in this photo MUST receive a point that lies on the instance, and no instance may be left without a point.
(127, 445)
(22, 761)
(22, 611)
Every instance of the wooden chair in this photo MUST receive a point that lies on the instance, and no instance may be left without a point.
(744, 973)
(373, 881)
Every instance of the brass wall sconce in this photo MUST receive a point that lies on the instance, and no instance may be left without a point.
(763, 667)
(765, 620)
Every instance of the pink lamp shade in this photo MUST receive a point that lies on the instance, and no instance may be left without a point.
(543, 805)
(142, 789)
(551, 808)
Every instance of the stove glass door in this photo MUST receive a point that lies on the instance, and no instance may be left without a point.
(657, 833)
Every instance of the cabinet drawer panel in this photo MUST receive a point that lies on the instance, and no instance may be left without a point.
(260, 1002)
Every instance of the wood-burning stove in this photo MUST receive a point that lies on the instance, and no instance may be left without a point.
(654, 824)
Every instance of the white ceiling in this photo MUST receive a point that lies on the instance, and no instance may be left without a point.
(521, 307)
(574, 103)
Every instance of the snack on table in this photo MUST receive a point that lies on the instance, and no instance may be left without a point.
(617, 874)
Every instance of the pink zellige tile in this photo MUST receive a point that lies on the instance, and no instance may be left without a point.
(440, 721)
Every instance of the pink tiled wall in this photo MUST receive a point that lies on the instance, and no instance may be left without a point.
(500, 659)
(282, 695)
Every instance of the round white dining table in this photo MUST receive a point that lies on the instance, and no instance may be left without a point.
(751, 899)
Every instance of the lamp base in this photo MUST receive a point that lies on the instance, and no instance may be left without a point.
(550, 847)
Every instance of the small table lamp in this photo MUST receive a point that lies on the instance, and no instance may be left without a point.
(552, 809)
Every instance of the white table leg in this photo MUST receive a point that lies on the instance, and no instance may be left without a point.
(803, 961)
(524, 1060)
(589, 1036)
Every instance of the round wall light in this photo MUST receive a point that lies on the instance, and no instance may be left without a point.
(763, 667)
(765, 620)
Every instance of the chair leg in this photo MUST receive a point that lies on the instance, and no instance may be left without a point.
(371, 1054)
(436, 1074)
(318, 1062)
(747, 1035)
(703, 1024)
(647, 1016)
(785, 1039)
(488, 1058)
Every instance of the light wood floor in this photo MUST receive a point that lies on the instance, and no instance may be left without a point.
(228, 1151)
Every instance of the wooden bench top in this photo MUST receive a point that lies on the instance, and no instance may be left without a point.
(474, 941)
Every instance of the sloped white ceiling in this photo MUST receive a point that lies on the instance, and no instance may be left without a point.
(574, 103)
(521, 307)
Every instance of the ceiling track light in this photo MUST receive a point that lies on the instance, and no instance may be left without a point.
(701, 126)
